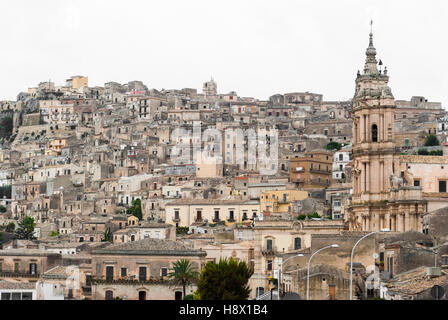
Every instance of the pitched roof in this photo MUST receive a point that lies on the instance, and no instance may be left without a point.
(149, 246)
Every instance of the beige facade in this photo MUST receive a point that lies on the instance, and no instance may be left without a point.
(276, 237)
(188, 212)
(380, 198)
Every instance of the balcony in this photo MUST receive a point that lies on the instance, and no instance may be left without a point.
(268, 252)
(18, 275)
(87, 291)
(320, 171)
(176, 219)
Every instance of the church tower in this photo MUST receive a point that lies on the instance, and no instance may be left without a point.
(380, 198)
(210, 88)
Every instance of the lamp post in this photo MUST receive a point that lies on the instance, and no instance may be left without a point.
(309, 263)
(436, 253)
(281, 272)
(351, 257)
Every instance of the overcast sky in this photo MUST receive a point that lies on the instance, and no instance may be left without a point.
(256, 48)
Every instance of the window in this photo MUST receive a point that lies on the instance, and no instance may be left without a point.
(33, 268)
(269, 265)
(142, 274)
(109, 295)
(216, 215)
(416, 183)
(232, 215)
(88, 280)
(176, 214)
(442, 186)
(16, 296)
(374, 133)
(164, 272)
(297, 243)
(16, 267)
(444, 260)
(109, 273)
(6, 296)
(124, 272)
(269, 244)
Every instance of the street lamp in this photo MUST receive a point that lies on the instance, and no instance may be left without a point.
(281, 272)
(436, 252)
(309, 263)
(351, 257)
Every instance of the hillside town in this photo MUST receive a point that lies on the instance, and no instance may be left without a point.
(104, 188)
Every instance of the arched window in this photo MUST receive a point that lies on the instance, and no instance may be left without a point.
(374, 133)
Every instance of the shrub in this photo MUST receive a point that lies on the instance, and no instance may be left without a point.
(431, 141)
(436, 153)
(334, 145)
(423, 152)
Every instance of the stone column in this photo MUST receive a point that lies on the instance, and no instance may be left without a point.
(368, 176)
(368, 128)
(363, 128)
(363, 178)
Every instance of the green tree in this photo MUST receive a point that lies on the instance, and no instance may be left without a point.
(422, 152)
(182, 230)
(107, 235)
(54, 234)
(431, 141)
(225, 280)
(136, 209)
(183, 273)
(334, 145)
(2, 209)
(10, 227)
(25, 231)
(6, 126)
(5, 191)
(314, 215)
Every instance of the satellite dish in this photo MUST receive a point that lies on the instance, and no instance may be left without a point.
(375, 256)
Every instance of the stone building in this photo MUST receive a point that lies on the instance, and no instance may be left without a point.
(313, 171)
(380, 198)
(139, 270)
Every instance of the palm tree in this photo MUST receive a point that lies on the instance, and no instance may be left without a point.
(184, 273)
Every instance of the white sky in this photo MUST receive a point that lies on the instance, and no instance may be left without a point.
(256, 48)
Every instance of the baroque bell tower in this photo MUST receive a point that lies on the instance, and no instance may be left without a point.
(380, 199)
